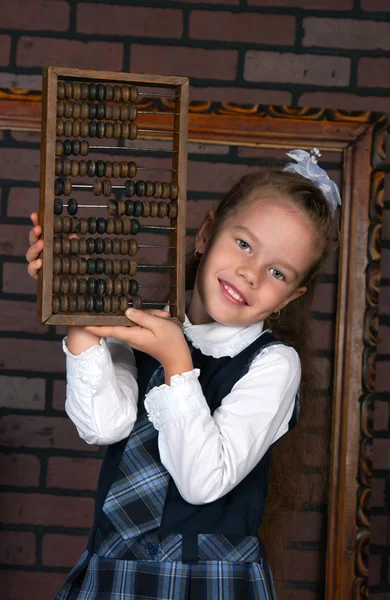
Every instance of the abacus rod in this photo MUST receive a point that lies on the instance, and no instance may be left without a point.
(157, 131)
(160, 112)
(129, 148)
(157, 95)
(156, 266)
(154, 304)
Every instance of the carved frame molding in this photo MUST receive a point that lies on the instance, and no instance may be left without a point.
(361, 138)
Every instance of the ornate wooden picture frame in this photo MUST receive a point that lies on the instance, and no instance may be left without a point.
(360, 137)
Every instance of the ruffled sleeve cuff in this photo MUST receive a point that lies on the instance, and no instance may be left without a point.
(167, 403)
(85, 370)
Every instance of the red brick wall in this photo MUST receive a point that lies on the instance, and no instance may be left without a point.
(333, 53)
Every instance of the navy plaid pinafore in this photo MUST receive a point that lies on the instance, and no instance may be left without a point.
(203, 552)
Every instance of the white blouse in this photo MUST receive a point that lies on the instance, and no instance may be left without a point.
(206, 455)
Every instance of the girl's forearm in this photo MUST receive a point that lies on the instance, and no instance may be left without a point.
(80, 340)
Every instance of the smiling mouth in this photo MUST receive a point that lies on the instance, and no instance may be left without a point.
(232, 295)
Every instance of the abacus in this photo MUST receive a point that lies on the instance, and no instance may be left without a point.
(100, 212)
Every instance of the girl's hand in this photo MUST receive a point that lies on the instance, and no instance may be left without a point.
(155, 335)
(36, 247)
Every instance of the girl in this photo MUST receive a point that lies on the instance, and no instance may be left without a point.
(190, 416)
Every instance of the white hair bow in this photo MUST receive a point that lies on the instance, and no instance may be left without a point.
(307, 166)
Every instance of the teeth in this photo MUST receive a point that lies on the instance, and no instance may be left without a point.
(233, 293)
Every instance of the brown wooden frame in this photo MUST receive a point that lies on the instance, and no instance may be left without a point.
(177, 86)
(361, 138)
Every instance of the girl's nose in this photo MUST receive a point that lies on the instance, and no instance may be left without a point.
(251, 273)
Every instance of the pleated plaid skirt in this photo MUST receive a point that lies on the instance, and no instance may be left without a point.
(151, 568)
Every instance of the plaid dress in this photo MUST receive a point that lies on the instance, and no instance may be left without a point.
(126, 562)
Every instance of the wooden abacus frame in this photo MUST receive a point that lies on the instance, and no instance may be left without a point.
(179, 85)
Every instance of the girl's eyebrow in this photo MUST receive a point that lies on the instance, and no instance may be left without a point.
(252, 235)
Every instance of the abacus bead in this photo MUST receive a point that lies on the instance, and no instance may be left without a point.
(83, 168)
(129, 188)
(116, 266)
(60, 109)
(56, 305)
(90, 246)
(127, 226)
(109, 286)
(83, 225)
(133, 287)
(99, 245)
(99, 266)
(114, 304)
(172, 210)
(149, 188)
(92, 91)
(66, 167)
(101, 225)
(81, 303)
(153, 208)
(125, 286)
(112, 207)
(109, 130)
(107, 188)
(108, 92)
(72, 304)
(73, 285)
(57, 245)
(66, 265)
(57, 224)
(97, 188)
(124, 112)
(100, 110)
(124, 267)
(83, 267)
(125, 169)
(137, 208)
(137, 302)
(133, 93)
(92, 129)
(72, 207)
(135, 226)
(76, 128)
(166, 190)
(76, 146)
(117, 131)
(66, 224)
(107, 246)
(157, 189)
(84, 129)
(116, 246)
(100, 286)
(140, 188)
(132, 112)
(108, 112)
(91, 168)
(107, 304)
(76, 91)
(84, 148)
(74, 168)
(118, 226)
(60, 128)
(124, 246)
(133, 247)
(91, 225)
(110, 225)
(59, 187)
(56, 284)
(67, 187)
(115, 112)
(89, 304)
(108, 267)
(60, 90)
(100, 168)
(123, 303)
(125, 93)
(91, 285)
(162, 209)
(100, 130)
(68, 90)
(57, 265)
(84, 91)
(98, 304)
(116, 169)
(75, 225)
(133, 131)
(129, 208)
(78, 245)
(174, 191)
(146, 208)
(125, 130)
(58, 166)
(69, 128)
(132, 267)
(92, 109)
(68, 110)
(100, 91)
(59, 148)
(82, 286)
(74, 265)
(121, 207)
(66, 246)
(91, 266)
(117, 287)
(117, 93)
(58, 206)
(108, 169)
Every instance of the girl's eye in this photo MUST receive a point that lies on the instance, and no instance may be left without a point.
(277, 274)
(243, 245)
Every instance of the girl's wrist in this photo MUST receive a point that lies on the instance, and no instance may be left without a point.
(178, 367)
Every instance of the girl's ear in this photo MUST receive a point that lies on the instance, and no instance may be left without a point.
(203, 234)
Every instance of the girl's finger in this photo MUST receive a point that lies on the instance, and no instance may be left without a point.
(118, 332)
(34, 218)
(34, 251)
(34, 267)
(157, 312)
(35, 234)
(146, 319)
